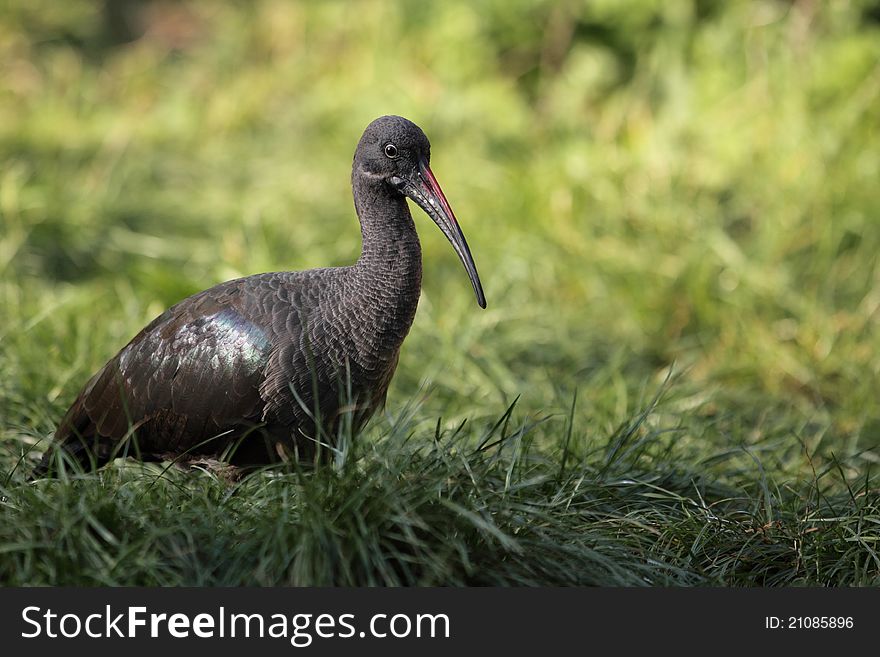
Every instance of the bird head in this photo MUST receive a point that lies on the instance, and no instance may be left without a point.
(394, 151)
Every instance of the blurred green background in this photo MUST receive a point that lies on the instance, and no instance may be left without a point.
(676, 191)
(643, 184)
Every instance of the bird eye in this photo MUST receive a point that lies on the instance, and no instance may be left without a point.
(390, 151)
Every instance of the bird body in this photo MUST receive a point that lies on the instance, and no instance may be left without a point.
(265, 367)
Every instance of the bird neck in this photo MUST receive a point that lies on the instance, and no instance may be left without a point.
(391, 256)
(387, 278)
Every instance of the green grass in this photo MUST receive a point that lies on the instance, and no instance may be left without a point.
(674, 209)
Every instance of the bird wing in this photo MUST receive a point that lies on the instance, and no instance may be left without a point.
(189, 375)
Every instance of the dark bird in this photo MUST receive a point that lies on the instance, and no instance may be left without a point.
(267, 367)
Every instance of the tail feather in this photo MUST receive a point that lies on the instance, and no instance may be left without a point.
(47, 467)
(75, 451)
(77, 441)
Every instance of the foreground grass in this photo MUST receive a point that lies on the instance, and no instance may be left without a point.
(647, 187)
(471, 506)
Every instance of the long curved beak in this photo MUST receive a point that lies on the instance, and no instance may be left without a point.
(424, 189)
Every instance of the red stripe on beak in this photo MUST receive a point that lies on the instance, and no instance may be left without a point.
(434, 188)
